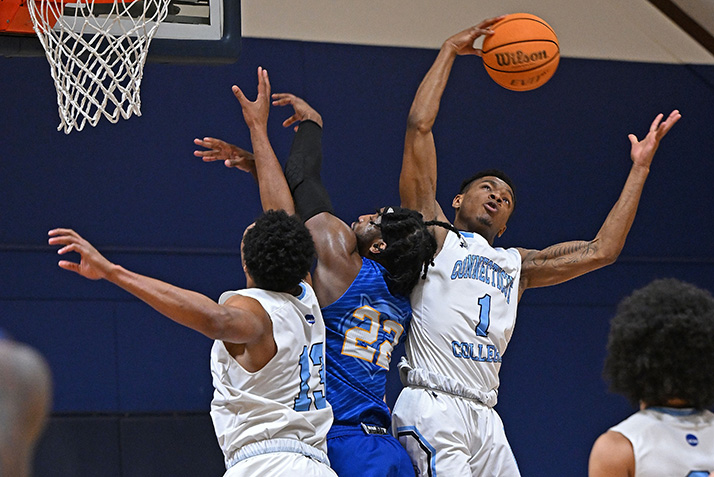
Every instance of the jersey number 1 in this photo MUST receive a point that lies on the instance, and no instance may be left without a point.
(484, 316)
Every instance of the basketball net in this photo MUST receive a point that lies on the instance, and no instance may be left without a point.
(96, 50)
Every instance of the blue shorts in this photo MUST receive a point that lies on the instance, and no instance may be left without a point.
(354, 452)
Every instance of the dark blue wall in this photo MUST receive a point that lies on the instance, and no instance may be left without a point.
(135, 190)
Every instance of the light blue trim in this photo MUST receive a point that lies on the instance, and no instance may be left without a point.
(304, 291)
(423, 441)
(674, 411)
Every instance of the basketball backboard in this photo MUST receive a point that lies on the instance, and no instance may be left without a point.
(194, 31)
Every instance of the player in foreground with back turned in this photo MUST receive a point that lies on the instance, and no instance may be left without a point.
(269, 409)
(465, 310)
(660, 356)
(363, 277)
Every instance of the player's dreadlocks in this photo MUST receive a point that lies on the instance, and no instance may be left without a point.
(661, 345)
(410, 247)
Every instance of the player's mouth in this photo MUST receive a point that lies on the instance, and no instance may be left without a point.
(491, 207)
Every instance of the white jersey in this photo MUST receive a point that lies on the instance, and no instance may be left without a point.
(284, 402)
(464, 314)
(670, 442)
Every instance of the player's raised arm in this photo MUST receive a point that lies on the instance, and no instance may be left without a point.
(417, 182)
(338, 259)
(561, 262)
(274, 191)
(243, 322)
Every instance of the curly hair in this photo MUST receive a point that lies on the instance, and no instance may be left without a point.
(410, 247)
(661, 345)
(278, 251)
(490, 172)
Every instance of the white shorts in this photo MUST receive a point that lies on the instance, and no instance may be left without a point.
(279, 464)
(447, 435)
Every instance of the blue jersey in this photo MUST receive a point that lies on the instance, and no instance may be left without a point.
(363, 326)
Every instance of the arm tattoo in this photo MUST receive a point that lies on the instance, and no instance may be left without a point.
(561, 254)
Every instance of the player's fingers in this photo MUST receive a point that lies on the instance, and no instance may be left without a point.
(633, 139)
(655, 123)
(67, 265)
(72, 247)
(62, 231)
(266, 83)
(490, 21)
(282, 99)
(238, 93)
(209, 157)
(291, 120)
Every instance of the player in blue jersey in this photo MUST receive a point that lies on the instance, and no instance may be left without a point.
(362, 279)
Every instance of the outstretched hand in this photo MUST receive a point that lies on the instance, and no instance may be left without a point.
(256, 112)
(303, 110)
(92, 265)
(643, 151)
(231, 155)
(463, 42)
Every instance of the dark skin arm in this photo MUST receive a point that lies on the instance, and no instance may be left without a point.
(564, 261)
(241, 320)
(417, 182)
(274, 190)
(339, 260)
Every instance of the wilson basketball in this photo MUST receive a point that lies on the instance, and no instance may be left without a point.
(523, 52)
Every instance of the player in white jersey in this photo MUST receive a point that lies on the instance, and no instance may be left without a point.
(465, 311)
(661, 357)
(282, 406)
(269, 408)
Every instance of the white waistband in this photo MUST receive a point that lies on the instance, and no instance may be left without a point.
(419, 377)
(276, 445)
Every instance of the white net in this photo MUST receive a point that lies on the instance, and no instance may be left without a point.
(96, 50)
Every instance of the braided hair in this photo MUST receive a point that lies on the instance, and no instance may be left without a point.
(410, 247)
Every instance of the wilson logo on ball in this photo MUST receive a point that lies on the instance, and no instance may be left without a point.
(519, 57)
(523, 52)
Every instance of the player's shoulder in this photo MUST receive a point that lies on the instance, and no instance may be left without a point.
(612, 455)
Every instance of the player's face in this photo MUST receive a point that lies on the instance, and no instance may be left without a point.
(485, 206)
(367, 232)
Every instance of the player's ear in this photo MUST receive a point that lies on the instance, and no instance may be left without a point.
(377, 247)
(456, 203)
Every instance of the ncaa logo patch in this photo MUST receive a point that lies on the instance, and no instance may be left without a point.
(692, 440)
(311, 319)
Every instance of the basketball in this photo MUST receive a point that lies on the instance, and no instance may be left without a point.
(523, 52)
